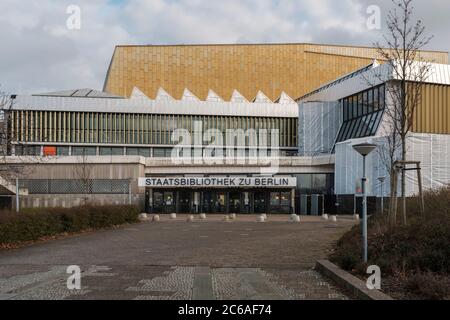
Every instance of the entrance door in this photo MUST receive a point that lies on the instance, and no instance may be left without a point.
(280, 202)
(235, 202)
(214, 202)
(169, 202)
(260, 204)
(164, 202)
(184, 198)
(247, 202)
(158, 202)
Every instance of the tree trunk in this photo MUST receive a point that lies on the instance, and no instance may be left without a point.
(392, 215)
(404, 184)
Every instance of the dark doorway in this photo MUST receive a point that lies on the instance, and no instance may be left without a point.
(184, 201)
(260, 204)
(214, 202)
(235, 202)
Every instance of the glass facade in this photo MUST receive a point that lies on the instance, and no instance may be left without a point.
(362, 114)
(129, 129)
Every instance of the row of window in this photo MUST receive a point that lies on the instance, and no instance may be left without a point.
(363, 103)
(364, 126)
(91, 127)
(362, 114)
(25, 150)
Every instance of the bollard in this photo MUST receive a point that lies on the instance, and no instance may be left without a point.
(265, 216)
(173, 216)
(226, 218)
(296, 219)
(190, 218)
(143, 217)
(334, 218)
(260, 218)
(232, 216)
(156, 218)
(356, 217)
(325, 216)
(202, 216)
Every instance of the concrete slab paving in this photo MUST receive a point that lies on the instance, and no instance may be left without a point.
(171, 259)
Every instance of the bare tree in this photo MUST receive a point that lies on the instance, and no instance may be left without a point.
(388, 153)
(83, 172)
(404, 40)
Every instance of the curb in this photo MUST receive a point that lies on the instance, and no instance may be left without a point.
(349, 282)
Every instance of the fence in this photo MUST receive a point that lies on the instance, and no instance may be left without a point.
(66, 186)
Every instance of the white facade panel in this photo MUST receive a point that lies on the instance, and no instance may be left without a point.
(318, 125)
(163, 106)
(432, 150)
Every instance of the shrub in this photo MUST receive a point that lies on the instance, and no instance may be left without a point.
(32, 224)
(428, 286)
(419, 251)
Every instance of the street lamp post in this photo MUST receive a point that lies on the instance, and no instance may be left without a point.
(364, 149)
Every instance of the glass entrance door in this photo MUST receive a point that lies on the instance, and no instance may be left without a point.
(158, 202)
(164, 202)
(184, 199)
(214, 202)
(260, 204)
(235, 202)
(169, 202)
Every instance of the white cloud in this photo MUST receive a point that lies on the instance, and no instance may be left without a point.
(38, 53)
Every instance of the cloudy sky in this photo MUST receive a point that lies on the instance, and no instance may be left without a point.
(39, 53)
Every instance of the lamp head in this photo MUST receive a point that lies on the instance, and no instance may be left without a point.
(364, 148)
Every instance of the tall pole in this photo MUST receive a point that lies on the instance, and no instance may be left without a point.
(364, 149)
(17, 195)
(364, 211)
(382, 196)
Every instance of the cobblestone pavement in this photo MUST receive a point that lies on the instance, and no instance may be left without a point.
(209, 259)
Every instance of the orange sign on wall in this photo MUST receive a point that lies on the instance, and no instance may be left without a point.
(49, 151)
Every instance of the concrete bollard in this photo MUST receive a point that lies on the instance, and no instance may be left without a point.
(356, 217)
(226, 218)
(156, 218)
(202, 216)
(296, 218)
(265, 216)
(143, 217)
(260, 218)
(333, 218)
(190, 218)
(232, 216)
(173, 216)
(325, 216)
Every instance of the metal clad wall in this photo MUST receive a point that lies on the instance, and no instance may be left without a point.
(294, 68)
(433, 113)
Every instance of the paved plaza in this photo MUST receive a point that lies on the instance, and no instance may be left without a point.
(175, 259)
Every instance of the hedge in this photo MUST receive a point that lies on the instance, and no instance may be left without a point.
(32, 224)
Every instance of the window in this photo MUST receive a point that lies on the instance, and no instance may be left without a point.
(362, 114)
(144, 152)
(162, 152)
(84, 151)
(107, 151)
(62, 151)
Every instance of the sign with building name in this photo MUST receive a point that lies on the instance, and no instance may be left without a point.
(218, 182)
